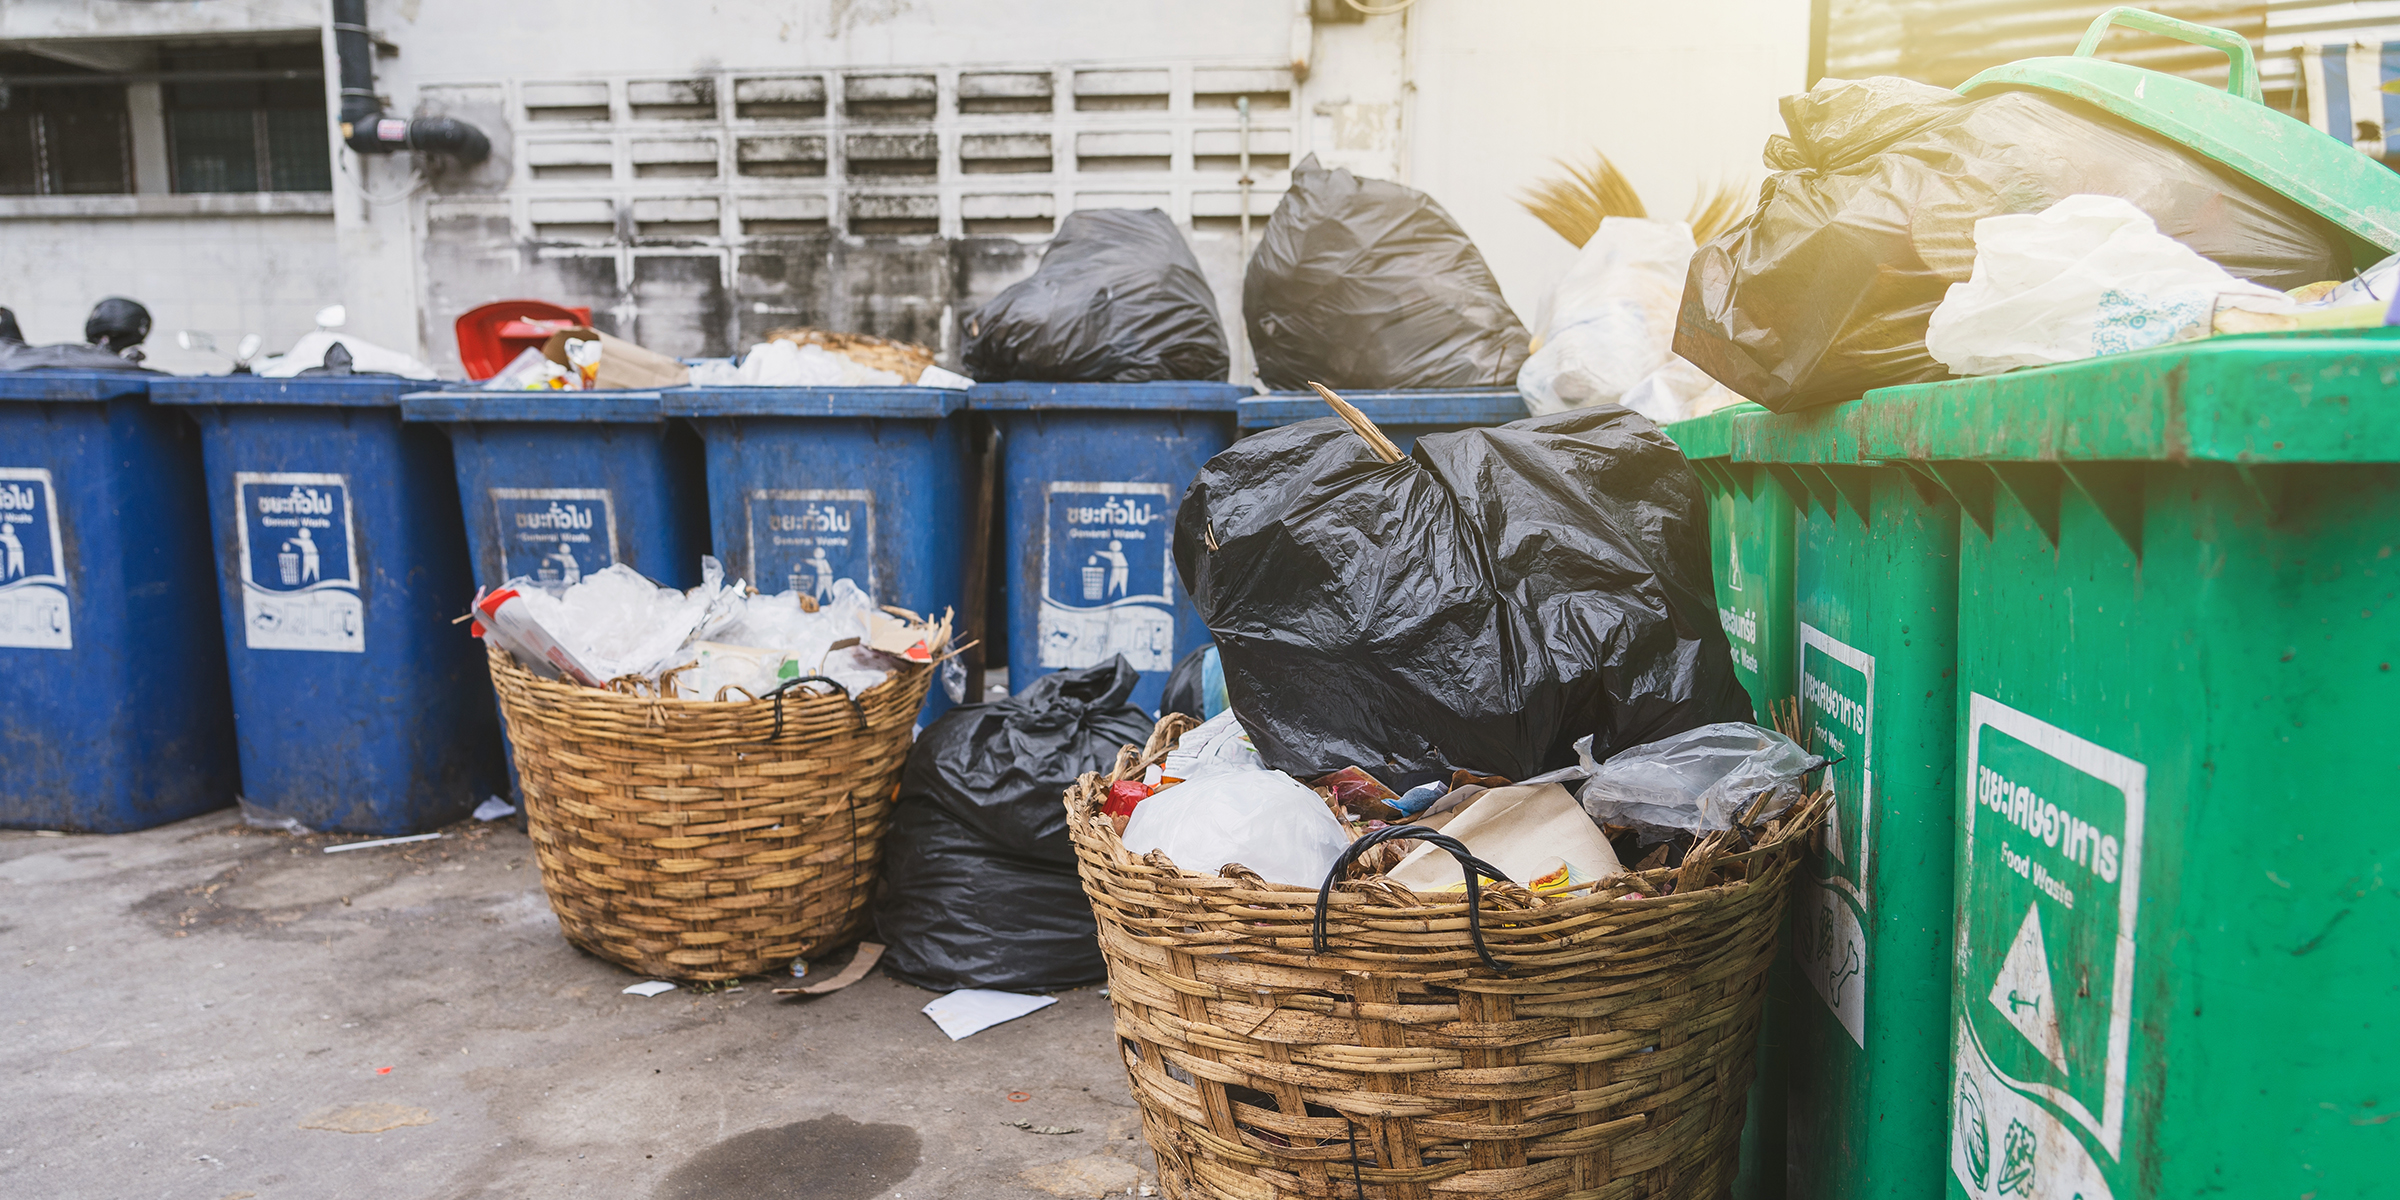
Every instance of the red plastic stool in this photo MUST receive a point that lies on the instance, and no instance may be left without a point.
(492, 336)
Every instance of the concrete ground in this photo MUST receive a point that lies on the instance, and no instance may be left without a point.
(214, 1012)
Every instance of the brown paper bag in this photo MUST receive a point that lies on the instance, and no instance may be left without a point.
(622, 364)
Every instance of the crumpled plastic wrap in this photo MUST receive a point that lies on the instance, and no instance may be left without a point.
(1697, 781)
(1264, 820)
(782, 364)
(619, 623)
(778, 623)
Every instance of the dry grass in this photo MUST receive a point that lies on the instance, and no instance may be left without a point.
(1574, 203)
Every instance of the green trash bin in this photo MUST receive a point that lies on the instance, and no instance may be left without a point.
(1750, 519)
(1864, 986)
(2177, 962)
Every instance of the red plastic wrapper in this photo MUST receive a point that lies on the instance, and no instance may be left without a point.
(1122, 798)
(1360, 794)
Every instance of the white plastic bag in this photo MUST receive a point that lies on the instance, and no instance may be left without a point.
(1696, 781)
(1216, 744)
(2088, 276)
(1264, 820)
(1612, 318)
(618, 623)
(365, 356)
(1678, 391)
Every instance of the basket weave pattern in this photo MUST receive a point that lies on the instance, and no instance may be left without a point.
(689, 839)
(1612, 1061)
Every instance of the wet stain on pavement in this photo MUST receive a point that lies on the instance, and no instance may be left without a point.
(830, 1158)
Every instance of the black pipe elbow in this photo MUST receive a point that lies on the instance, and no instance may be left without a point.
(365, 127)
(377, 133)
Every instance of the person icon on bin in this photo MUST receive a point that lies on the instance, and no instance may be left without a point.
(311, 565)
(12, 553)
(570, 572)
(1120, 570)
(822, 567)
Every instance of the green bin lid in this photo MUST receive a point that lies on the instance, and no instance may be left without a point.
(2233, 127)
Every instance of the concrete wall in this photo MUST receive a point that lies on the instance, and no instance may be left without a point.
(197, 262)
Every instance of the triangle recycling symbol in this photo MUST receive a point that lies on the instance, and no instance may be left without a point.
(2023, 993)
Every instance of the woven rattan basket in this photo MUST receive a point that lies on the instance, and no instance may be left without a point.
(699, 840)
(1612, 1060)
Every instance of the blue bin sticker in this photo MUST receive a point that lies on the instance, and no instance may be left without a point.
(555, 536)
(802, 539)
(1107, 578)
(299, 563)
(33, 570)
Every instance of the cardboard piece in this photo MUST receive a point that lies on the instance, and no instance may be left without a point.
(1527, 832)
(622, 363)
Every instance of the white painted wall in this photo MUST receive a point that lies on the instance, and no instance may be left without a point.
(227, 275)
(1678, 95)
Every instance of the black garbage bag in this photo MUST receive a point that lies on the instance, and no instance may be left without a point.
(960, 912)
(1363, 283)
(10, 335)
(979, 884)
(1118, 299)
(1824, 292)
(1479, 604)
(65, 356)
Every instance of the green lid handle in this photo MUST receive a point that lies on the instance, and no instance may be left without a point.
(2241, 76)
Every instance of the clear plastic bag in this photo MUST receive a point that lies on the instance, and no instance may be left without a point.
(1697, 781)
(1264, 820)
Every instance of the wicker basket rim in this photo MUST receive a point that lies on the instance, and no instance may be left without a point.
(1381, 896)
(503, 660)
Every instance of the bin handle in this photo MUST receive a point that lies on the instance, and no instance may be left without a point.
(2241, 75)
(1474, 867)
(776, 694)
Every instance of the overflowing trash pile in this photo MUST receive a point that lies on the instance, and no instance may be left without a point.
(818, 358)
(618, 630)
(2016, 227)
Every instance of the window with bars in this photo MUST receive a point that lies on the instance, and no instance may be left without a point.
(248, 136)
(65, 140)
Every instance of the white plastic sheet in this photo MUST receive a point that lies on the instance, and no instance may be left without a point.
(2088, 276)
(1264, 820)
(1612, 328)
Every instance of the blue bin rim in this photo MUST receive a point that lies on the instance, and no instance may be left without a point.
(49, 385)
(324, 391)
(1171, 395)
(905, 402)
(468, 406)
(1427, 406)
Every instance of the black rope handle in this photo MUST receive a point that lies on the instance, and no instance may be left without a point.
(1476, 870)
(776, 694)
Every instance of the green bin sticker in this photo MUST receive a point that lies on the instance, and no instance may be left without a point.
(1830, 920)
(2050, 888)
(1737, 606)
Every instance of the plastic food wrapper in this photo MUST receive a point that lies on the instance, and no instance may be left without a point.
(1219, 743)
(2088, 276)
(1698, 781)
(1538, 835)
(1264, 820)
(1824, 292)
(1479, 604)
(1118, 299)
(981, 884)
(1359, 794)
(529, 371)
(1363, 283)
(508, 617)
(623, 364)
(584, 359)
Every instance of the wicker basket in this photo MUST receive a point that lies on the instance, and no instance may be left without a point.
(1612, 1060)
(699, 840)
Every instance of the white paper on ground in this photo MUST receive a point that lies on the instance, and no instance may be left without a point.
(970, 1011)
(493, 808)
(652, 987)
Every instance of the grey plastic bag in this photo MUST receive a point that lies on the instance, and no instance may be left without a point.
(1698, 781)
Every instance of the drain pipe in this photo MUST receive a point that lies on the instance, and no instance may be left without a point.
(365, 128)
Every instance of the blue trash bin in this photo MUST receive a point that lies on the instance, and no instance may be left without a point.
(1404, 415)
(810, 485)
(557, 485)
(1090, 476)
(357, 704)
(116, 716)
